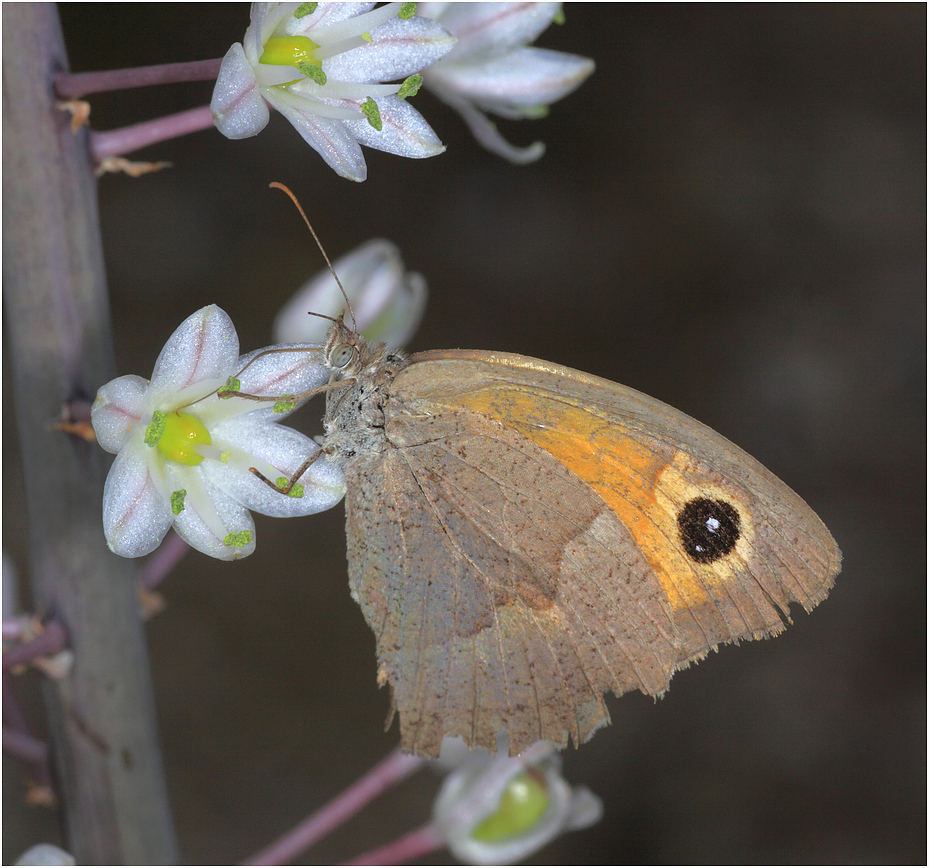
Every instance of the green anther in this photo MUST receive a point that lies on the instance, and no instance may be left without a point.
(371, 112)
(179, 437)
(239, 538)
(233, 384)
(285, 405)
(367, 37)
(559, 16)
(410, 86)
(296, 491)
(522, 805)
(177, 501)
(289, 51)
(312, 72)
(407, 10)
(305, 9)
(224, 458)
(156, 428)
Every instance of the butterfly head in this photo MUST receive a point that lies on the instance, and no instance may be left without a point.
(349, 354)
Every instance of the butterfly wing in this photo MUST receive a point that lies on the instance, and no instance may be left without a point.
(525, 546)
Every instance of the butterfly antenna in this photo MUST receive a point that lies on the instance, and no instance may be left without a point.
(319, 244)
(322, 315)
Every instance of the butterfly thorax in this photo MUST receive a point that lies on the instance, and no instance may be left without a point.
(354, 418)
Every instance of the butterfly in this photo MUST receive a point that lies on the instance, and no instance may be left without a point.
(524, 538)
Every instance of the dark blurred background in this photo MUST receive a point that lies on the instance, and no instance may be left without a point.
(730, 216)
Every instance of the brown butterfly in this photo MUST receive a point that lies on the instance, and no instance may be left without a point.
(524, 537)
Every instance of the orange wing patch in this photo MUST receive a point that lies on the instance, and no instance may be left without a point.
(642, 483)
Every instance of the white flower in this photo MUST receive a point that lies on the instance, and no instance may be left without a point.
(494, 809)
(491, 69)
(319, 65)
(45, 854)
(184, 452)
(387, 300)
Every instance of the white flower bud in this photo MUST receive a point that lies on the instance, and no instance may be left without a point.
(387, 300)
(496, 810)
(45, 854)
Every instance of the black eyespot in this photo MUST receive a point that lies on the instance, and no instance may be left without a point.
(342, 355)
(709, 529)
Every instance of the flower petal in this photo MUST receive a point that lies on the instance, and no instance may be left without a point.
(404, 130)
(525, 77)
(117, 410)
(319, 295)
(276, 451)
(585, 811)
(239, 111)
(387, 301)
(376, 259)
(492, 28)
(210, 516)
(289, 369)
(398, 322)
(204, 347)
(351, 27)
(487, 134)
(326, 15)
(329, 138)
(399, 48)
(136, 515)
(472, 793)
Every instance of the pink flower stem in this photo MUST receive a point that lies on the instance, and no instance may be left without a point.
(168, 555)
(125, 139)
(405, 849)
(50, 641)
(70, 85)
(394, 768)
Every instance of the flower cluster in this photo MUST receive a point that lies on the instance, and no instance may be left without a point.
(185, 443)
(322, 65)
(493, 68)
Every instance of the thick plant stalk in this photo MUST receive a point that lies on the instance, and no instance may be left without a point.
(101, 716)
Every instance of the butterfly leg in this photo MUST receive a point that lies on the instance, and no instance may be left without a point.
(293, 479)
(226, 392)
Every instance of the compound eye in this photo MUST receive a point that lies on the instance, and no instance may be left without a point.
(342, 355)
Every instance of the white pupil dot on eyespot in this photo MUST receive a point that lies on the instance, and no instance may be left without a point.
(712, 525)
